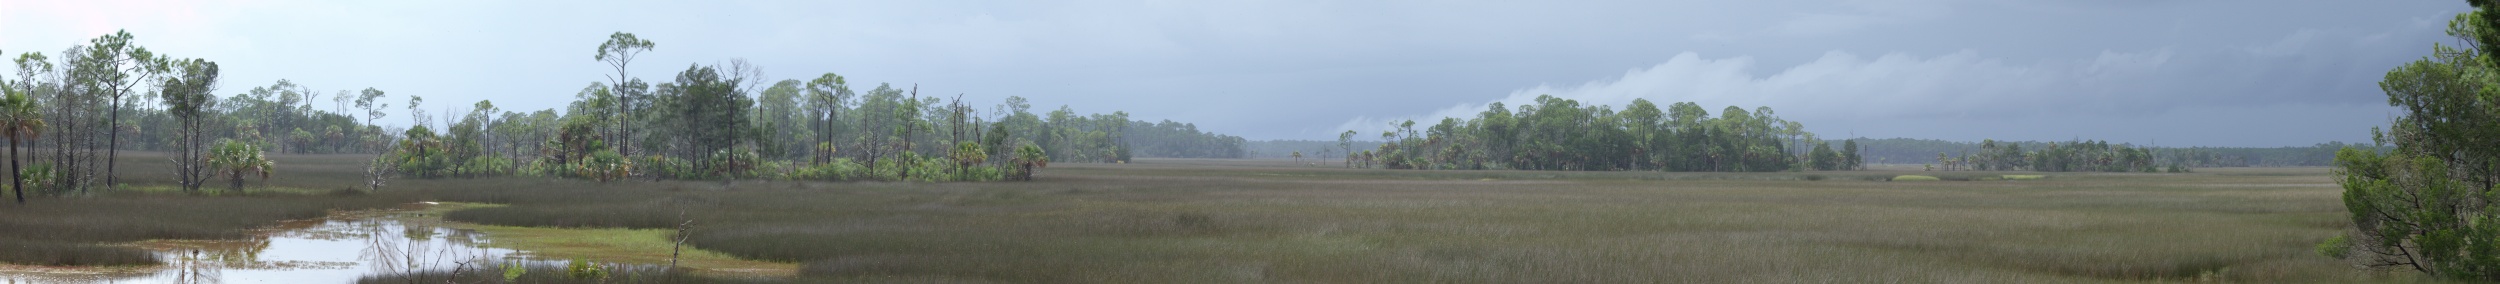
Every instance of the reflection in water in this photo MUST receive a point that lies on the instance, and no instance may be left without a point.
(325, 251)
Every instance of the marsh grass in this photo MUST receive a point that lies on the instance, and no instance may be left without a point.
(1189, 222)
(492, 272)
(72, 254)
(1233, 221)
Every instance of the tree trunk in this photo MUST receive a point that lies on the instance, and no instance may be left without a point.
(16, 180)
(192, 178)
(64, 149)
(112, 142)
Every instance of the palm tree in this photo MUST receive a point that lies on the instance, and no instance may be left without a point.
(19, 120)
(1028, 158)
(235, 158)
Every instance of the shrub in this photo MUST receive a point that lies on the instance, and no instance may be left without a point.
(604, 165)
(584, 270)
(2337, 247)
(40, 175)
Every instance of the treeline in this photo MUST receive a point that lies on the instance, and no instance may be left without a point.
(1923, 151)
(2075, 156)
(723, 122)
(1310, 149)
(706, 122)
(2322, 154)
(1169, 139)
(1563, 134)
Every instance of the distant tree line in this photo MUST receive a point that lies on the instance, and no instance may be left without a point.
(78, 109)
(2074, 156)
(1310, 148)
(1169, 139)
(1563, 134)
(1923, 151)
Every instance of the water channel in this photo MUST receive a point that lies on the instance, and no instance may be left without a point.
(339, 249)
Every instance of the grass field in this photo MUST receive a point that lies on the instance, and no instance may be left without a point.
(1203, 221)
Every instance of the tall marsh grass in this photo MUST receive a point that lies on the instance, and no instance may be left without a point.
(1186, 223)
(1221, 221)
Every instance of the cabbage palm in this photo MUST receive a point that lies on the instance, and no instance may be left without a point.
(19, 120)
(235, 158)
(1028, 158)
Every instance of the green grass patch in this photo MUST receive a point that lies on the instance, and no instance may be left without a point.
(650, 246)
(2024, 177)
(1914, 178)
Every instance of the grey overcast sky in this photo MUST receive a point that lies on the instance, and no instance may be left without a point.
(2176, 73)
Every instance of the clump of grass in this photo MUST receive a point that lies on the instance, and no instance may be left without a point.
(2023, 177)
(1915, 178)
(72, 254)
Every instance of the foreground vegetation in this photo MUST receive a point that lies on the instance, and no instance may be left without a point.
(1272, 221)
(2429, 204)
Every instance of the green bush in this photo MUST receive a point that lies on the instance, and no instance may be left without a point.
(604, 165)
(585, 270)
(2337, 247)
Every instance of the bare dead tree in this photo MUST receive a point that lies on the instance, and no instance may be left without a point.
(683, 231)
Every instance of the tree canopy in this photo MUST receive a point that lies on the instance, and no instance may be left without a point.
(2428, 204)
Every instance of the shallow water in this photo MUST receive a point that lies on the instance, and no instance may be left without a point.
(337, 250)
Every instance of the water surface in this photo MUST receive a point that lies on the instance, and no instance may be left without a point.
(334, 250)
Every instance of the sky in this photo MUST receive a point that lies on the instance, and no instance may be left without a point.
(2169, 73)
